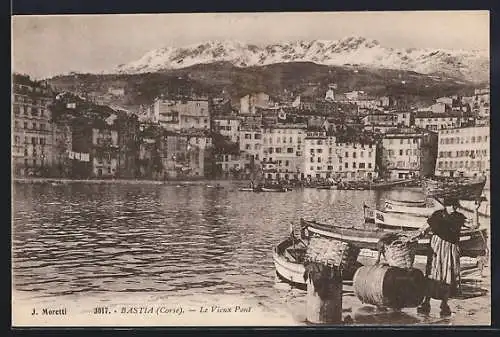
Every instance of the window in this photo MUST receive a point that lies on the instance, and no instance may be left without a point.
(247, 147)
(347, 154)
(319, 150)
(257, 136)
(312, 168)
(354, 154)
(369, 154)
(42, 141)
(25, 125)
(361, 154)
(312, 160)
(286, 162)
(400, 152)
(289, 150)
(278, 150)
(369, 165)
(248, 136)
(354, 165)
(319, 159)
(401, 141)
(361, 165)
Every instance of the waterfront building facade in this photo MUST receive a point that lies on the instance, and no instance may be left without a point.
(32, 134)
(283, 146)
(408, 153)
(464, 152)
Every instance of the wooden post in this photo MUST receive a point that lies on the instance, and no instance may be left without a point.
(325, 306)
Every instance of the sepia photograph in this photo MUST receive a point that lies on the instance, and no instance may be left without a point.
(251, 169)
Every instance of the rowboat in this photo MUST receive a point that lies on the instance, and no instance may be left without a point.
(394, 220)
(419, 211)
(215, 186)
(327, 187)
(274, 189)
(246, 189)
(472, 241)
(288, 258)
(407, 203)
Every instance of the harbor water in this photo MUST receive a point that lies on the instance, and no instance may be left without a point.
(188, 243)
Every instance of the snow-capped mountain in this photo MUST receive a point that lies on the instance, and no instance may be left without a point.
(464, 64)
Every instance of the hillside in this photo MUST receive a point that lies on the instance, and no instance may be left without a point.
(278, 80)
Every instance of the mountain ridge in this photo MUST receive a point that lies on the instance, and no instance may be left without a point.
(351, 51)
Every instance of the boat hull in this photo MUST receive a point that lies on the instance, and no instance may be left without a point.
(472, 243)
(264, 189)
(290, 271)
(407, 203)
(413, 211)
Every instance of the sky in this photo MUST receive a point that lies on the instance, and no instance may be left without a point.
(44, 46)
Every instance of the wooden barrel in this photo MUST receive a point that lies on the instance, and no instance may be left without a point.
(391, 287)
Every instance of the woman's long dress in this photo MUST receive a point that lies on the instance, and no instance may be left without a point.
(445, 265)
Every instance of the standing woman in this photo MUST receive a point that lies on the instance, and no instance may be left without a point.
(443, 261)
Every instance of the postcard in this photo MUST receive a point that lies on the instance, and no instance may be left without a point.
(251, 169)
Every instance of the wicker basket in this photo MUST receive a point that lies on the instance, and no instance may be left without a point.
(400, 253)
(332, 253)
(459, 188)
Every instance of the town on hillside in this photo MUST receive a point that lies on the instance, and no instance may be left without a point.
(347, 136)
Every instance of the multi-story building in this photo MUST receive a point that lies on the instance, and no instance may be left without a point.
(463, 152)
(187, 154)
(380, 122)
(316, 150)
(228, 162)
(405, 118)
(104, 152)
(438, 121)
(408, 152)
(251, 145)
(283, 146)
(182, 114)
(325, 157)
(32, 134)
(228, 126)
(355, 161)
(148, 157)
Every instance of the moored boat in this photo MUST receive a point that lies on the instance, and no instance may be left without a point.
(417, 211)
(407, 203)
(473, 242)
(326, 187)
(274, 189)
(246, 189)
(288, 258)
